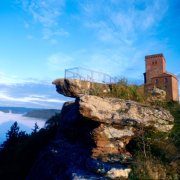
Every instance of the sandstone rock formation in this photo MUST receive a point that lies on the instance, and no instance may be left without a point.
(157, 94)
(93, 135)
(76, 88)
(119, 121)
(113, 111)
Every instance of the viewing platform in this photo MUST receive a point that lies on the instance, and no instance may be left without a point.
(89, 75)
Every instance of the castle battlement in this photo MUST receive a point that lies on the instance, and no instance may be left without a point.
(154, 56)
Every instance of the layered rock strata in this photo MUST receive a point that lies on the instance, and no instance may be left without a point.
(120, 121)
(93, 135)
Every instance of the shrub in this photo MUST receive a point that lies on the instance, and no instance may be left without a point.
(124, 90)
(156, 155)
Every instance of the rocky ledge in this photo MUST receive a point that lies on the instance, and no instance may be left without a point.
(77, 88)
(92, 138)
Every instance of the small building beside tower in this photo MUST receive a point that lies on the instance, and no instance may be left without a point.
(157, 76)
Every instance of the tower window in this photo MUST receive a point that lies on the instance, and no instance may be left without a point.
(165, 79)
(154, 62)
(156, 81)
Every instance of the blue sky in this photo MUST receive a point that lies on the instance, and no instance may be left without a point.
(39, 39)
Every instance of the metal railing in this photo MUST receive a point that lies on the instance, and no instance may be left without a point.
(89, 75)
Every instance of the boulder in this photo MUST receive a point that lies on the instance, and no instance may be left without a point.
(157, 94)
(124, 113)
(76, 88)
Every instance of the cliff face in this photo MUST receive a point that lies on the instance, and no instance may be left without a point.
(93, 135)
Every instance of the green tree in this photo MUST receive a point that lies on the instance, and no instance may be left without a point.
(35, 130)
(12, 135)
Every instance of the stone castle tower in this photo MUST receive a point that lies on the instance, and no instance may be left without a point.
(157, 76)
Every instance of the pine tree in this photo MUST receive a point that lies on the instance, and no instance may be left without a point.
(35, 130)
(12, 135)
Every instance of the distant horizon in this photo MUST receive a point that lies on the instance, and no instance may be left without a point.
(40, 39)
(24, 107)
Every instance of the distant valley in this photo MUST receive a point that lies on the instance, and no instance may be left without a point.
(42, 113)
(16, 110)
(31, 112)
(26, 118)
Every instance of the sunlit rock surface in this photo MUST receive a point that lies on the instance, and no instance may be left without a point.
(115, 111)
(77, 88)
(92, 138)
(157, 94)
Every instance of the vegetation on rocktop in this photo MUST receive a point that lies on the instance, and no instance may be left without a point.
(125, 91)
(20, 150)
(121, 90)
(157, 155)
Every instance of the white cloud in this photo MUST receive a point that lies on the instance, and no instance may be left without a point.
(5, 79)
(114, 62)
(60, 62)
(28, 92)
(47, 14)
(107, 62)
(122, 21)
(47, 32)
(8, 79)
(113, 20)
(44, 12)
(118, 24)
(34, 99)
